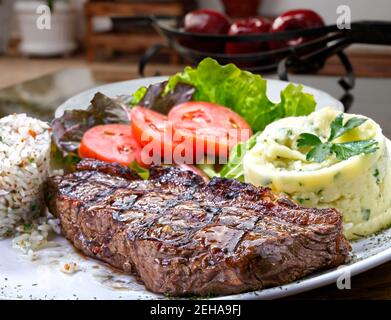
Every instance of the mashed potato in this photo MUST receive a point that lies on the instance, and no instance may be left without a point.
(360, 187)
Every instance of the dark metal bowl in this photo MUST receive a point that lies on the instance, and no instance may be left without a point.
(307, 57)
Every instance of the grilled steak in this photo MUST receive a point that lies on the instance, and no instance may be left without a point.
(183, 236)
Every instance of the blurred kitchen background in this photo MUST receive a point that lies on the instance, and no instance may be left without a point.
(96, 42)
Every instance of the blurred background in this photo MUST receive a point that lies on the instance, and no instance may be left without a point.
(107, 31)
(95, 42)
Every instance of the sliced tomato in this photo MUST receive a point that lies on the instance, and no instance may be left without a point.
(147, 124)
(111, 143)
(211, 128)
(153, 131)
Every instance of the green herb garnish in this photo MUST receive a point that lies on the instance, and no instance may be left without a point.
(302, 200)
(321, 150)
(308, 139)
(346, 150)
(7, 234)
(338, 128)
(27, 227)
(376, 175)
(366, 213)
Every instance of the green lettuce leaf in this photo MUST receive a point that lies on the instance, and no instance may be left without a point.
(142, 172)
(234, 168)
(209, 169)
(243, 92)
(296, 103)
(138, 95)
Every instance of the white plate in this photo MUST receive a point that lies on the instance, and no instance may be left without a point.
(43, 279)
(274, 87)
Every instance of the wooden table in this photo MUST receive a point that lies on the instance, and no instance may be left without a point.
(373, 284)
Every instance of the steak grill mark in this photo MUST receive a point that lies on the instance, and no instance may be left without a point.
(183, 236)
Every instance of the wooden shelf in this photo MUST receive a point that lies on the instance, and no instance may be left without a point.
(109, 9)
(126, 41)
(130, 42)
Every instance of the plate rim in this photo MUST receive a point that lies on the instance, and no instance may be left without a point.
(312, 283)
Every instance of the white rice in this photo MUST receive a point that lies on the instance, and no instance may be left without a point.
(24, 167)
